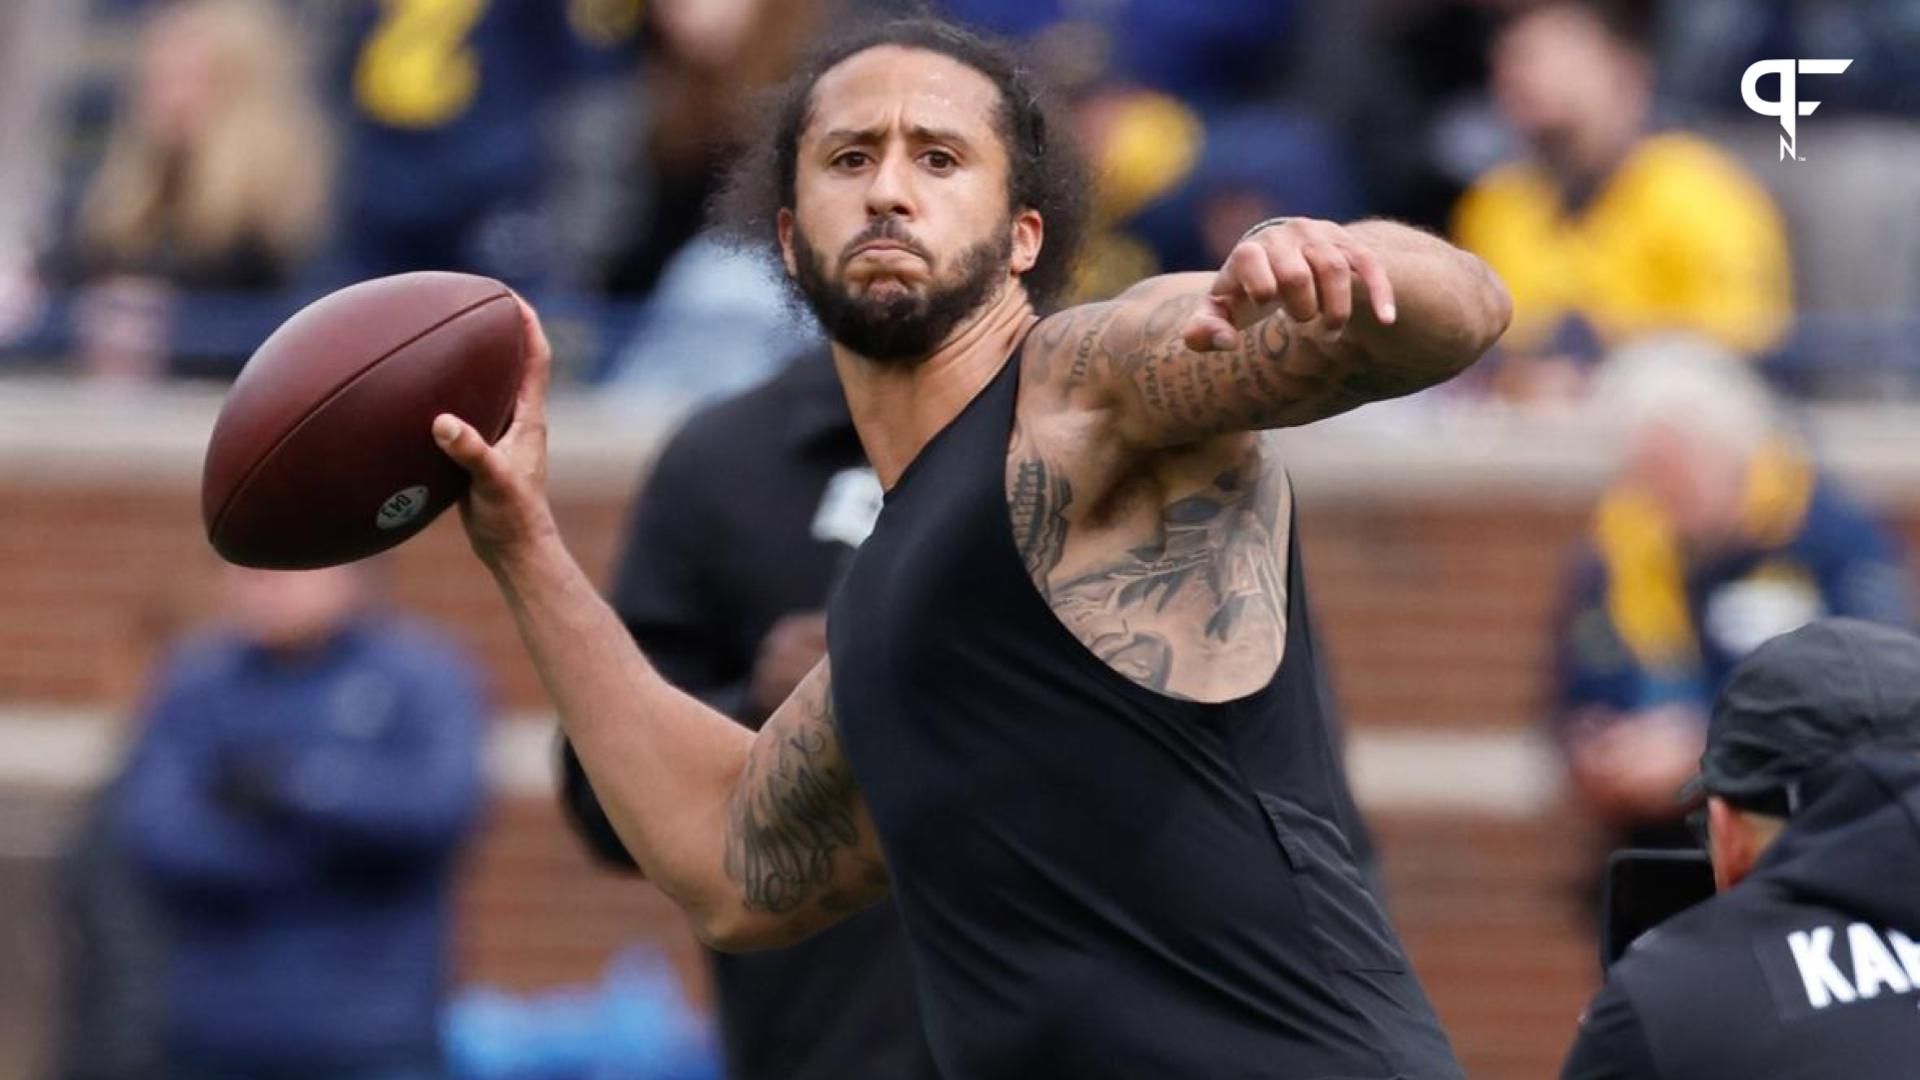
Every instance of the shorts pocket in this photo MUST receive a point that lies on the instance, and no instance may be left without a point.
(1348, 927)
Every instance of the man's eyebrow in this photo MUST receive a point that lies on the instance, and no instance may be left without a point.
(923, 133)
(855, 136)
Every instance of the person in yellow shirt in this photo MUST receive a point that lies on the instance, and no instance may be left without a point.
(1608, 231)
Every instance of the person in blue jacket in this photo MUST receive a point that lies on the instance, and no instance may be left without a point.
(301, 786)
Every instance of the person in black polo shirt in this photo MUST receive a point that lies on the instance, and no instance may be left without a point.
(1805, 965)
(744, 526)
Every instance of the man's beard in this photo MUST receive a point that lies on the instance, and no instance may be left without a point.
(904, 327)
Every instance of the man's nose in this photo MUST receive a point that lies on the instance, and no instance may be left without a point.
(891, 192)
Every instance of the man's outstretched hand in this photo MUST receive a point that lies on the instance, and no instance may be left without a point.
(506, 510)
(1307, 268)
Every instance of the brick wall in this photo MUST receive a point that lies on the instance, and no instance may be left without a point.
(1433, 608)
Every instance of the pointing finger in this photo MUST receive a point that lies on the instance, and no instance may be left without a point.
(1379, 286)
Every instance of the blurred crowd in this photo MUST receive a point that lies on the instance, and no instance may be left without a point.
(180, 174)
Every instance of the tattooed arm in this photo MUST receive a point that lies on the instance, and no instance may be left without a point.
(1306, 320)
(761, 839)
(800, 846)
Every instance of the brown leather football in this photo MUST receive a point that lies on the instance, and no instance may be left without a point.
(324, 452)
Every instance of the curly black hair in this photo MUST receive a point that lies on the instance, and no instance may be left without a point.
(1047, 173)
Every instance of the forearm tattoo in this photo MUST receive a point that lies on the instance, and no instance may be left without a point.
(1278, 375)
(794, 816)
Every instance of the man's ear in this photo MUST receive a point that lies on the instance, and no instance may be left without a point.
(1029, 233)
(783, 223)
(1732, 843)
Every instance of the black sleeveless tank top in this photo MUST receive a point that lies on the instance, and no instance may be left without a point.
(1098, 880)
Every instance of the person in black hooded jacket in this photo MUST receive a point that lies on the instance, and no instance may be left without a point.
(1805, 965)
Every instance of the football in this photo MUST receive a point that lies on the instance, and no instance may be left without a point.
(323, 451)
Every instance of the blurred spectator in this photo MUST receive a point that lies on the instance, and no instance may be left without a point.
(301, 785)
(217, 169)
(740, 535)
(216, 179)
(1608, 230)
(1717, 534)
(448, 139)
(703, 64)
